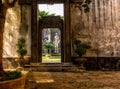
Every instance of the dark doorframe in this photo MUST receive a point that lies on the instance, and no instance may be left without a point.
(66, 35)
(50, 22)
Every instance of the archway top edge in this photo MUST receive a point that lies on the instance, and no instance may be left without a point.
(30, 2)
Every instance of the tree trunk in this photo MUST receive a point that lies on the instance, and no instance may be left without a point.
(48, 51)
(2, 22)
(3, 8)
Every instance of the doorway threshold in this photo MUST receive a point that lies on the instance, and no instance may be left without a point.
(50, 62)
(52, 67)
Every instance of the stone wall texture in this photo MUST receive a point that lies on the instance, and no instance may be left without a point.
(100, 28)
(18, 24)
(12, 25)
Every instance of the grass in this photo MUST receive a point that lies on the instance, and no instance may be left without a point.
(54, 58)
(51, 59)
(43, 54)
(47, 58)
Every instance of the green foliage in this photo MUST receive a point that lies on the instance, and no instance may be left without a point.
(48, 46)
(52, 54)
(50, 58)
(77, 42)
(21, 47)
(80, 50)
(62, 17)
(86, 5)
(22, 51)
(43, 14)
(88, 1)
(56, 54)
(80, 47)
(11, 75)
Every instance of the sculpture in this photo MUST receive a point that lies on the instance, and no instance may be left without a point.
(56, 42)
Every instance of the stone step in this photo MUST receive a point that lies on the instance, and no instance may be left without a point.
(68, 67)
(50, 65)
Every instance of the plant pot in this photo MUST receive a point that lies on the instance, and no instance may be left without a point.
(18, 83)
(48, 55)
(26, 58)
(80, 62)
(21, 60)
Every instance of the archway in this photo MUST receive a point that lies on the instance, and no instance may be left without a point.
(48, 28)
(66, 49)
(51, 45)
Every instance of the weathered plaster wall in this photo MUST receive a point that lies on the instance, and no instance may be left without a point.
(25, 28)
(12, 25)
(18, 24)
(100, 27)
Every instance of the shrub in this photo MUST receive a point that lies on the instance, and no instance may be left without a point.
(11, 75)
(21, 47)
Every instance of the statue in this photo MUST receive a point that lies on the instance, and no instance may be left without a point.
(48, 36)
(56, 42)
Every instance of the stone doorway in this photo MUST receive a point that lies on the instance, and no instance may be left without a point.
(36, 44)
(48, 28)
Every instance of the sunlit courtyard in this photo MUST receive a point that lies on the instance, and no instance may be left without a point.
(74, 80)
(60, 44)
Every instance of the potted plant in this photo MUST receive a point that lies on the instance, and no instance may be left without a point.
(13, 83)
(21, 51)
(13, 80)
(80, 50)
(48, 47)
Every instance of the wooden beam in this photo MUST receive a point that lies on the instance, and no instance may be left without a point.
(24, 2)
(76, 1)
(49, 1)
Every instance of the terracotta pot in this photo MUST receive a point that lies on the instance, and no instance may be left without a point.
(18, 83)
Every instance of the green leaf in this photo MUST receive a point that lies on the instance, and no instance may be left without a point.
(48, 46)
(88, 1)
(44, 14)
(80, 47)
(21, 47)
(86, 8)
(84, 5)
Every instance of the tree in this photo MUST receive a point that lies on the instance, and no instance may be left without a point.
(4, 5)
(48, 46)
(21, 51)
(43, 14)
